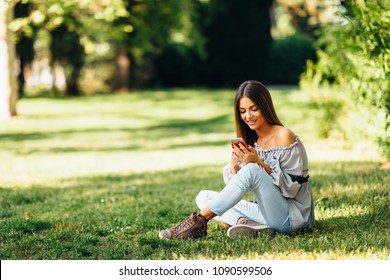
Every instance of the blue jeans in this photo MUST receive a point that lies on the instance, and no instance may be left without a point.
(271, 208)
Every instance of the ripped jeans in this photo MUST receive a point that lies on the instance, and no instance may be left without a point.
(271, 208)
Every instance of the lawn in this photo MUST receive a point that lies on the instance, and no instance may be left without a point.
(97, 177)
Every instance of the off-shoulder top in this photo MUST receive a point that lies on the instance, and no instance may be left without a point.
(287, 163)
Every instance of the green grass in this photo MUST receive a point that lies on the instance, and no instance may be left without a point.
(100, 176)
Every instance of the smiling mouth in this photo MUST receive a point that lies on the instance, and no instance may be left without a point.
(251, 122)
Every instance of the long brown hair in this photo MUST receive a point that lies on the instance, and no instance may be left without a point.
(260, 95)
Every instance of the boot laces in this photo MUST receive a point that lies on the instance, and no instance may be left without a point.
(184, 225)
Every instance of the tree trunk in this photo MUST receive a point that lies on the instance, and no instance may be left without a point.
(72, 88)
(122, 68)
(8, 81)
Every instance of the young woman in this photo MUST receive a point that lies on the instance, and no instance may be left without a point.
(272, 165)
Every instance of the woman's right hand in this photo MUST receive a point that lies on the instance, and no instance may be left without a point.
(234, 163)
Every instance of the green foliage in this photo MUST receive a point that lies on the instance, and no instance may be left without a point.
(150, 27)
(232, 50)
(355, 56)
(162, 43)
(288, 58)
(238, 41)
(76, 29)
(301, 16)
(177, 65)
(25, 43)
(328, 112)
(67, 50)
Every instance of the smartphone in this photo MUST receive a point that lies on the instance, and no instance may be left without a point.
(236, 140)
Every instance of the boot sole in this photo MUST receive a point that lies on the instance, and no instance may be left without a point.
(250, 231)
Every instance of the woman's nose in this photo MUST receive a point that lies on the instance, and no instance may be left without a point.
(248, 115)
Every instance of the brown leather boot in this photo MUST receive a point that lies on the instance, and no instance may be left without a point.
(194, 226)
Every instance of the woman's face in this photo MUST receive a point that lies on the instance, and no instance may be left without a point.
(250, 113)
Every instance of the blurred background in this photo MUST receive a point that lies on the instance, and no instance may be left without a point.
(337, 50)
(85, 47)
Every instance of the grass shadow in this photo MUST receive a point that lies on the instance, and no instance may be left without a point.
(138, 139)
(118, 216)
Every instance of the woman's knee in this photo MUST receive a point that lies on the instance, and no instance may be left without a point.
(204, 196)
(257, 177)
(253, 169)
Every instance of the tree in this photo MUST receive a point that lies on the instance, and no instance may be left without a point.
(8, 82)
(355, 56)
(238, 41)
(307, 16)
(235, 46)
(75, 27)
(141, 36)
(24, 45)
(67, 50)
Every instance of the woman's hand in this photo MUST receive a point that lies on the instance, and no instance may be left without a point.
(246, 154)
(234, 163)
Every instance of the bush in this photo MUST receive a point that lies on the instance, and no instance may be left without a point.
(177, 65)
(96, 77)
(288, 58)
(328, 113)
(355, 56)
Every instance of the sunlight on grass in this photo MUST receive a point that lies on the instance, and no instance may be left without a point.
(302, 255)
(99, 176)
(152, 130)
(344, 211)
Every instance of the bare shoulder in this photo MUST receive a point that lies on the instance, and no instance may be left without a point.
(285, 137)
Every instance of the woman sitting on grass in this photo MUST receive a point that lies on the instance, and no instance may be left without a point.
(272, 165)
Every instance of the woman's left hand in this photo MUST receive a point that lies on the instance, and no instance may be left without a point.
(245, 154)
